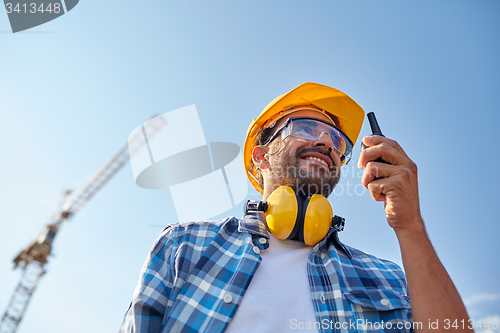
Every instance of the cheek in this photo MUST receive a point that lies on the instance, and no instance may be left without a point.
(336, 159)
(283, 158)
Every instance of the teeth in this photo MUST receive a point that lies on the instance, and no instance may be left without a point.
(316, 159)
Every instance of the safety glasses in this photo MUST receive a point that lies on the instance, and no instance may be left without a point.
(313, 129)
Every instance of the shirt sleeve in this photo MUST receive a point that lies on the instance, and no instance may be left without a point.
(150, 300)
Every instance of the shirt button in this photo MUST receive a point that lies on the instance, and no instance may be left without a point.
(262, 240)
(384, 301)
(228, 298)
(256, 250)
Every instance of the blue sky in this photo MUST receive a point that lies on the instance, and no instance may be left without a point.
(73, 89)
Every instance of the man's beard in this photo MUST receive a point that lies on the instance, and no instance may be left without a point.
(287, 171)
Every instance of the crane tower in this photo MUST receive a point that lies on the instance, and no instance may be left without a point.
(33, 258)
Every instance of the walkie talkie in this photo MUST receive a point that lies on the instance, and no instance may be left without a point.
(375, 131)
(374, 124)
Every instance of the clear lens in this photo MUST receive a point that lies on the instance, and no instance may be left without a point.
(312, 130)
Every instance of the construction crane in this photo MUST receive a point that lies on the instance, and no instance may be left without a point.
(33, 258)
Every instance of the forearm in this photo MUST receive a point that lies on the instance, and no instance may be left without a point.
(432, 293)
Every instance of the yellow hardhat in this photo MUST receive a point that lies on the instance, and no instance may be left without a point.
(332, 101)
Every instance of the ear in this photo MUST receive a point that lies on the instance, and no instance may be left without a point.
(259, 157)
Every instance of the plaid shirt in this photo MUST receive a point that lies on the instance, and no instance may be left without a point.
(197, 273)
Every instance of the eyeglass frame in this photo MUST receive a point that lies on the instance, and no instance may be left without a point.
(289, 120)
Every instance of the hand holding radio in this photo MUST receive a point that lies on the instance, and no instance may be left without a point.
(391, 176)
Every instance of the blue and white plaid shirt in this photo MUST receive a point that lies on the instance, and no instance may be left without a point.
(197, 273)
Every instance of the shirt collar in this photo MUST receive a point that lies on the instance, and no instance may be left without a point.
(251, 223)
(335, 235)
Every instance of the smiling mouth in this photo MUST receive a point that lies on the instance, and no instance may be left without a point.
(321, 161)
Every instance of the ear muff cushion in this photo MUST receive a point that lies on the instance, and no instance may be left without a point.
(282, 211)
(317, 219)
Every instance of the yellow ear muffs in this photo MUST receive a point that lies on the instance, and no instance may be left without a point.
(288, 217)
(281, 213)
(317, 219)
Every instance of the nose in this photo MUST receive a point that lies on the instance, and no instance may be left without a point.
(326, 141)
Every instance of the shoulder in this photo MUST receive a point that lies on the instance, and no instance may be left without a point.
(372, 260)
(375, 266)
(196, 232)
(180, 246)
(200, 228)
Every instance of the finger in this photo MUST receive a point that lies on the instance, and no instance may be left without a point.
(383, 151)
(373, 140)
(376, 189)
(377, 170)
(388, 150)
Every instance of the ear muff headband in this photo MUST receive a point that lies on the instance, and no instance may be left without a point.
(288, 218)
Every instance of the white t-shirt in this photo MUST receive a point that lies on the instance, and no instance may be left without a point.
(278, 298)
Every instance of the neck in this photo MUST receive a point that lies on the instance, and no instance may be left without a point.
(269, 189)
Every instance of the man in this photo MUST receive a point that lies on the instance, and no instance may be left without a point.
(282, 266)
